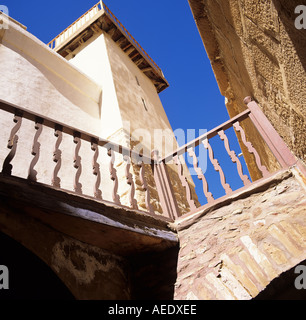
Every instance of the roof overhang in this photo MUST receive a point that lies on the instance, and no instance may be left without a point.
(100, 19)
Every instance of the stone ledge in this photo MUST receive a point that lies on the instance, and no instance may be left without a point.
(258, 186)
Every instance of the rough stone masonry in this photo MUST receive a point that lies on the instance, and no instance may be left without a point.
(256, 50)
(235, 251)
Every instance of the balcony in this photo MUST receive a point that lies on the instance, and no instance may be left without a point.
(55, 150)
(67, 194)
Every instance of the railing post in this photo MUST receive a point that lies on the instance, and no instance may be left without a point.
(12, 143)
(276, 144)
(164, 187)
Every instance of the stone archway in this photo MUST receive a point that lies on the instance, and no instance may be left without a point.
(29, 277)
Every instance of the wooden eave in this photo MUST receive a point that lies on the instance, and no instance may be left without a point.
(105, 23)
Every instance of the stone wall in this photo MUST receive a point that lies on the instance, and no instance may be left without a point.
(255, 50)
(97, 251)
(236, 250)
(89, 272)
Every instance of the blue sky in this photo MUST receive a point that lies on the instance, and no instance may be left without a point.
(167, 31)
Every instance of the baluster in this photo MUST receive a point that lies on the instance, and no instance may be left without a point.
(251, 149)
(77, 162)
(32, 176)
(184, 183)
(201, 176)
(130, 182)
(164, 187)
(96, 169)
(217, 167)
(57, 156)
(234, 158)
(113, 176)
(143, 181)
(12, 144)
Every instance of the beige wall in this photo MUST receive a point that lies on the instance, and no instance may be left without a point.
(92, 59)
(130, 96)
(96, 92)
(255, 50)
(122, 105)
(36, 78)
(124, 118)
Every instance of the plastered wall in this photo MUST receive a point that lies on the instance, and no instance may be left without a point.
(131, 112)
(36, 78)
(97, 92)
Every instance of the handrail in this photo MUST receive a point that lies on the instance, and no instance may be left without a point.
(51, 44)
(39, 122)
(31, 115)
(163, 181)
(208, 135)
(273, 141)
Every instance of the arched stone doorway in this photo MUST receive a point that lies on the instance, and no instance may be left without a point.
(29, 277)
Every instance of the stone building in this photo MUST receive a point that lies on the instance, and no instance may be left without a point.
(98, 215)
(256, 50)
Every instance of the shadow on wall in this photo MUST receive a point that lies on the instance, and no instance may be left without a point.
(283, 287)
(42, 74)
(154, 275)
(59, 87)
(29, 277)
